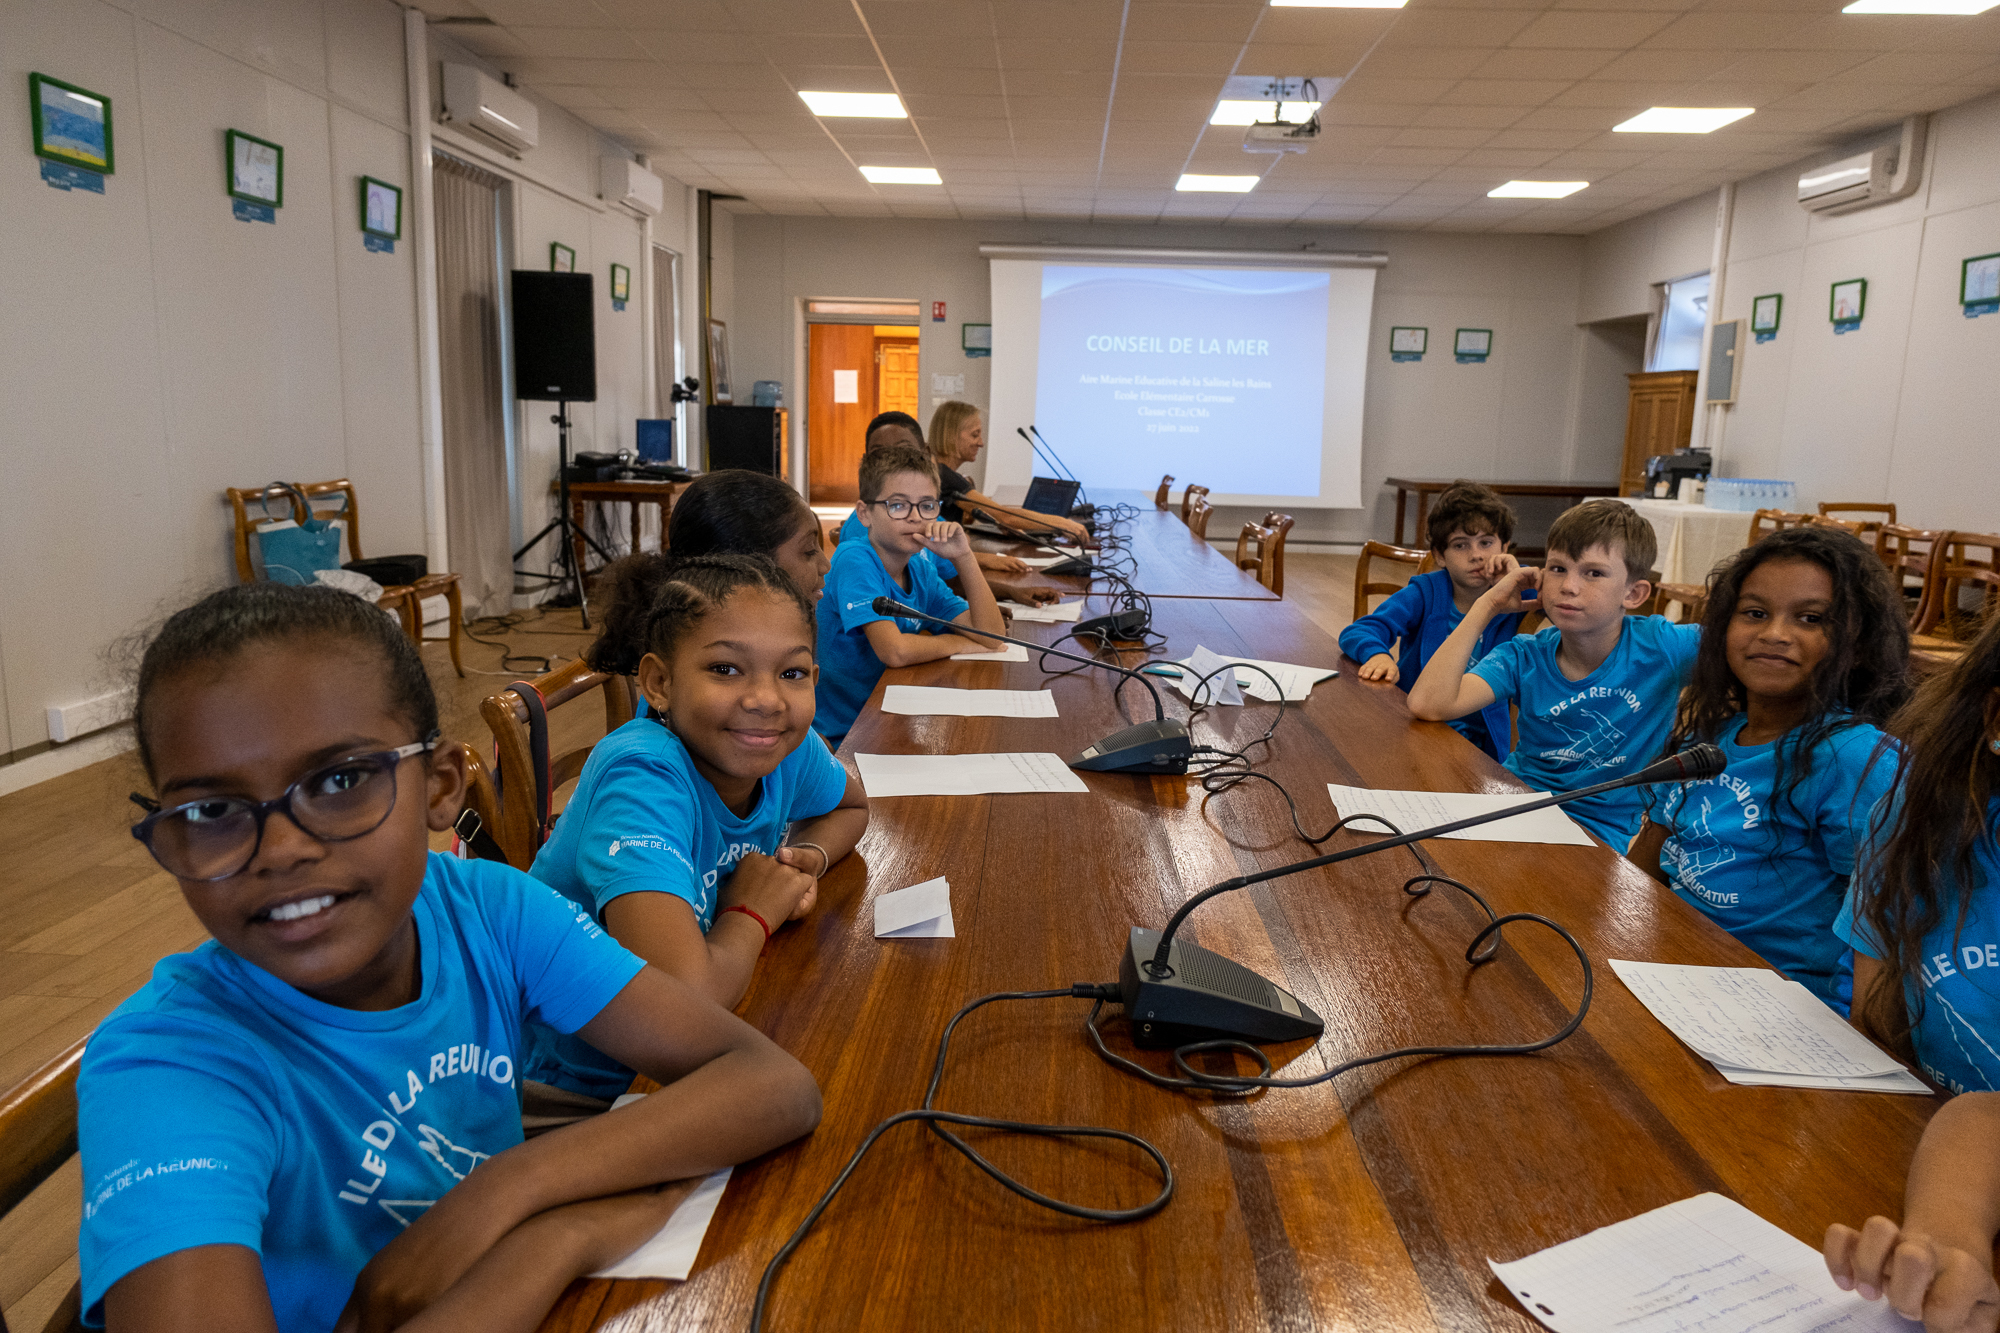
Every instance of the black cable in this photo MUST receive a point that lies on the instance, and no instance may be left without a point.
(936, 1119)
(511, 662)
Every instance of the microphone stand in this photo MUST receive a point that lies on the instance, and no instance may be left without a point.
(1159, 746)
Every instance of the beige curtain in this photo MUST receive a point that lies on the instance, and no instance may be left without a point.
(467, 202)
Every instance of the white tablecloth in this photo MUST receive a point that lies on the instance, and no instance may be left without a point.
(1694, 539)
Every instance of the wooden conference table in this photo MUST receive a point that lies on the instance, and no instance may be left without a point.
(1425, 487)
(1170, 561)
(1370, 1203)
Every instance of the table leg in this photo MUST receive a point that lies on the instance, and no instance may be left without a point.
(1402, 496)
(1423, 509)
(576, 513)
(635, 525)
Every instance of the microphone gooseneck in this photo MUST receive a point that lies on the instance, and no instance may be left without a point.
(1690, 765)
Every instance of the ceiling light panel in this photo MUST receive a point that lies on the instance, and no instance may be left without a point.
(1684, 119)
(1919, 6)
(1216, 184)
(1337, 4)
(902, 175)
(1229, 112)
(877, 106)
(1536, 189)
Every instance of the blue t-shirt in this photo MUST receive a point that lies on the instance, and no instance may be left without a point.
(1422, 614)
(642, 820)
(848, 667)
(853, 531)
(1612, 722)
(219, 1106)
(1774, 872)
(1957, 1036)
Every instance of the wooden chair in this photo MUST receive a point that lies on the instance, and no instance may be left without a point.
(1364, 587)
(1188, 497)
(1912, 553)
(1691, 598)
(1280, 526)
(1867, 518)
(1860, 530)
(37, 1136)
(1198, 517)
(1967, 562)
(397, 599)
(517, 822)
(430, 585)
(482, 793)
(1254, 548)
(1160, 496)
(1655, 604)
(1767, 521)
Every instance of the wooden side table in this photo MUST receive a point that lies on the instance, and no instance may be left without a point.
(659, 494)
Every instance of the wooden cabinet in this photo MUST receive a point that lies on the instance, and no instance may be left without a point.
(1660, 420)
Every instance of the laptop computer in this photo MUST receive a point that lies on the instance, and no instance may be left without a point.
(1051, 495)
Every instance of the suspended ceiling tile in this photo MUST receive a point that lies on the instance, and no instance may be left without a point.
(687, 15)
(1793, 66)
(705, 48)
(1460, 139)
(1552, 140)
(1325, 29)
(1090, 54)
(1717, 30)
(1047, 83)
(1366, 89)
(1189, 23)
(1860, 32)
(1511, 159)
(1424, 62)
(834, 16)
(1665, 65)
(1470, 117)
(495, 44)
(1202, 60)
(1917, 67)
(1981, 33)
(1586, 28)
(1543, 64)
(1504, 92)
(748, 81)
(1568, 118)
(928, 18)
(1456, 27)
(1416, 157)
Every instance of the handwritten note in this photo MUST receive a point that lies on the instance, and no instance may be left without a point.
(1056, 613)
(1702, 1265)
(963, 774)
(940, 701)
(1412, 810)
(1758, 1026)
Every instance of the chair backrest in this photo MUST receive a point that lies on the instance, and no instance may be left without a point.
(482, 794)
(1871, 515)
(1281, 527)
(1967, 563)
(1766, 521)
(246, 524)
(1912, 553)
(1188, 499)
(518, 827)
(349, 510)
(1198, 518)
(1253, 552)
(1364, 587)
(38, 1135)
(1865, 531)
(1160, 496)
(1692, 599)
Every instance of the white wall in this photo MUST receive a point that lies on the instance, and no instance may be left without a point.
(1900, 409)
(1511, 417)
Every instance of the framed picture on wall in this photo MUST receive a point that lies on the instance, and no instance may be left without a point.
(1848, 301)
(718, 362)
(562, 259)
(621, 283)
(256, 169)
(1765, 312)
(381, 209)
(72, 124)
(1979, 280)
(1472, 342)
(1408, 340)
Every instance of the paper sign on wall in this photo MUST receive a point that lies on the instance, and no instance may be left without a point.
(846, 386)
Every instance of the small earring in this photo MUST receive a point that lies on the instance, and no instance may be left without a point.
(1994, 745)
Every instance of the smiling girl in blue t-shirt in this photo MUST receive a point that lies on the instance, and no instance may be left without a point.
(1804, 652)
(676, 837)
(314, 1114)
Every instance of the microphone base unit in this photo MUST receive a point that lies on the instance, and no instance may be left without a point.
(1160, 746)
(1124, 625)
(1205, 998)
(1076, 564)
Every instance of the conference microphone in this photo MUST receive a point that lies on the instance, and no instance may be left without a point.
(1174, 992)
(1159, 746)
(1086, 505)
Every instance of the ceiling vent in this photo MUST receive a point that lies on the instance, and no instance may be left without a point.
(479, 102)
(1890, 171)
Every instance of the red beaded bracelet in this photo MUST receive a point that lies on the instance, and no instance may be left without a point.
(753, 916)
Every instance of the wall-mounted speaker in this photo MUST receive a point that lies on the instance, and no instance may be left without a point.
(555, 337)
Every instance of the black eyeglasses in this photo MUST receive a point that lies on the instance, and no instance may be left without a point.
(901, 508)
(217, 836)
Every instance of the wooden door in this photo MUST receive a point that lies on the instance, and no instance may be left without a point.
(834, 430)
(896, 375)
(1660, 420)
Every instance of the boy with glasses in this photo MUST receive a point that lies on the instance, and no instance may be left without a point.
(899, 508)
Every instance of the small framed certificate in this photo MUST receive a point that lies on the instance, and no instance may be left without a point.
(621, 283)
(1409, 340)
(1848, 301)
(72, 124)
(1979, 280)
(381, 209)
(1765, 312)
(256, 169)
(1473, 342)
(562, 259)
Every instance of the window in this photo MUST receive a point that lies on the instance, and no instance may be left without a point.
(1682, 319)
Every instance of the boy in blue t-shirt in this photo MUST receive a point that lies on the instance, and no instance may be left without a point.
(899, 505)
(1469, 527)
(1597, 689)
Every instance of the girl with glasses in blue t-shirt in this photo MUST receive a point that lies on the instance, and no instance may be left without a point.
(312, 1119)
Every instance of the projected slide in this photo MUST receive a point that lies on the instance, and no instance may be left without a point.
(1145, 370)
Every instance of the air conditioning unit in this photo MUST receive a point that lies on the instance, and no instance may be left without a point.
(624, 181)
(1892, 171)
(480, 102)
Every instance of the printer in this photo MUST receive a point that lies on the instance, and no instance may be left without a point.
(1674, 468)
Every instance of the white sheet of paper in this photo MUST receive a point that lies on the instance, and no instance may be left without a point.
(846, 386)
(672, 1250)
(942, 701)
(1296, 681)
(1056, 613)
(1013, 652)
(1412, 810)
(920, 912)
(1221, 688)
(1706, 1263)
(1041, 561)
(1753, 1019)
(963, 774)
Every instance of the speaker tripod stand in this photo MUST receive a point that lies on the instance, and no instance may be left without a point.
(568, 534)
